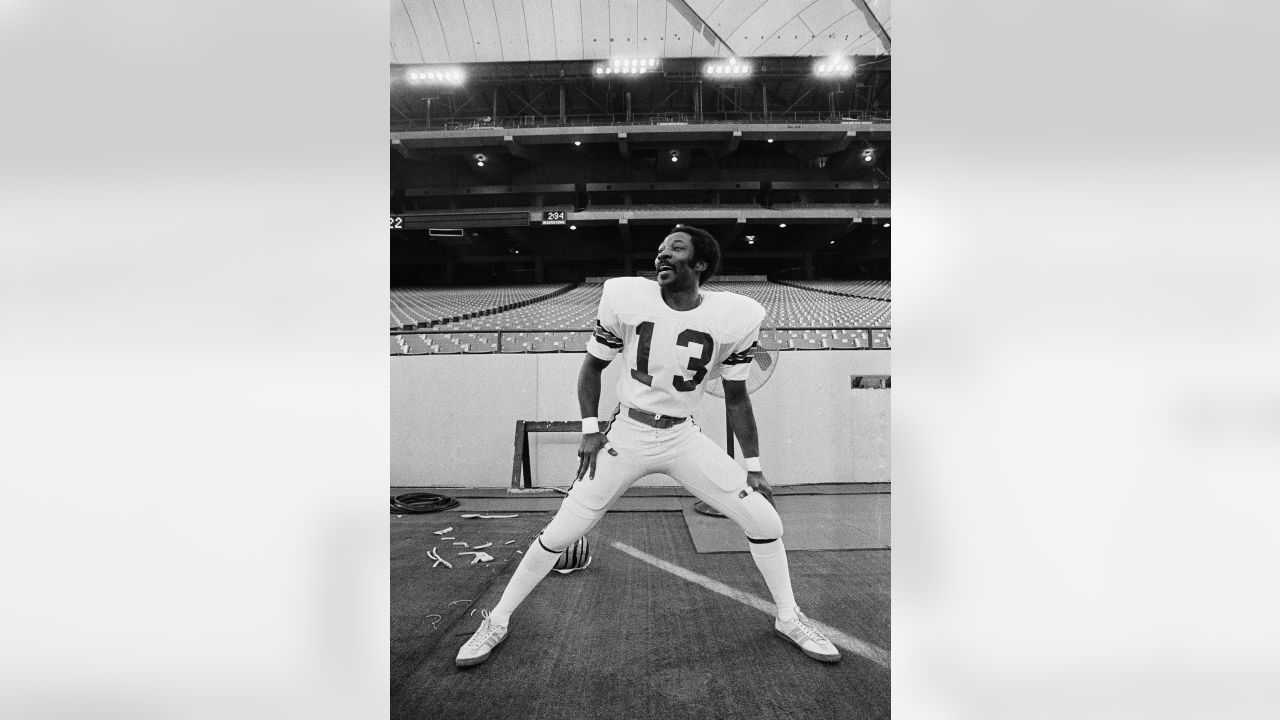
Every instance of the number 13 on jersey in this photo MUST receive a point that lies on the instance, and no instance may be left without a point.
(698, 365)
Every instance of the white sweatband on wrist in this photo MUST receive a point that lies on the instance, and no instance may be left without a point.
(753, 464)
(590, 425)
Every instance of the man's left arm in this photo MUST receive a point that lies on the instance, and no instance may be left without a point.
(743, 420)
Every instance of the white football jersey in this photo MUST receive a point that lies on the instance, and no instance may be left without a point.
(668, 353)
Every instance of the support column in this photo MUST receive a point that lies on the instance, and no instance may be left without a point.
(624, 229)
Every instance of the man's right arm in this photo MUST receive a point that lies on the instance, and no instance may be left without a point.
(589, 405)
(589, 384)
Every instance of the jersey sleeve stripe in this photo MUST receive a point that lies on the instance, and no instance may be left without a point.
(606, 338)
(601, 329)
(603, 340)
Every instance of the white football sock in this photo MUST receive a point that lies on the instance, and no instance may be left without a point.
(535, 565)
(771, 559)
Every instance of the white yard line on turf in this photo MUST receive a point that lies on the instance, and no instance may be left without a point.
(878, 655)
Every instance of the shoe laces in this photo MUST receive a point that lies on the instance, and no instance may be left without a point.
(803, 623)
(487, 630)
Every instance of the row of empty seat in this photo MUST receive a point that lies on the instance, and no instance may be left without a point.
(415, 308)
(575, 309)
(793, 307)
(558, 320)
(787, 307)
(538, 342)
(878, 289)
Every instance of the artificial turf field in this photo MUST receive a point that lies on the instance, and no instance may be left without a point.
(626, 638)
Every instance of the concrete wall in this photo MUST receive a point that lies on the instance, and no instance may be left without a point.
(453, 418)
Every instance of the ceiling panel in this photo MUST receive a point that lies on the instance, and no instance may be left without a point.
(482, 19)
(624, 21)
(882, 10)
(541, 28)
(855, 37)
(512, 33)
(433, 42)
(779, 39)
(453, 15)
(764, 27)
(684, 23)
(820, 16)
(706, 7)
(705, 42)
(568, 28)
(653, 23)
(595, 29)
(404, 41)
(466, 31)
(848, 35)
(727, 19)
(679, 36)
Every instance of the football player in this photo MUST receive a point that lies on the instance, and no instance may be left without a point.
(670, 334)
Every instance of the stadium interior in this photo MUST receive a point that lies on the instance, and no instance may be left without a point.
(539, 147)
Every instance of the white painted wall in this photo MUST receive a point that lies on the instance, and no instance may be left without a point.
(453, 418)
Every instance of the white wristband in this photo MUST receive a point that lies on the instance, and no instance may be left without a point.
(590, 425)
(753, 464)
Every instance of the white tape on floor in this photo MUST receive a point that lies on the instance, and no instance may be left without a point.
(878, 655)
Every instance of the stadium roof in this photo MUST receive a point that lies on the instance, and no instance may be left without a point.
(498, 31)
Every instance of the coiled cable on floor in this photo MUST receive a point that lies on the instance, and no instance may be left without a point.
(422, 502)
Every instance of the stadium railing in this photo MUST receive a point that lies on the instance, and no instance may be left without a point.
(527, 121)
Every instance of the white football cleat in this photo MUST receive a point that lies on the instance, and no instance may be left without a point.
(807, 638)
(477, 649)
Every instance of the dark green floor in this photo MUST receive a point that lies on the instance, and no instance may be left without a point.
(624, 639)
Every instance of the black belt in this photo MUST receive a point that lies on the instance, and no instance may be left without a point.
(662, 422)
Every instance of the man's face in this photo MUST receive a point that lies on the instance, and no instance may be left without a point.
(675, 261)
